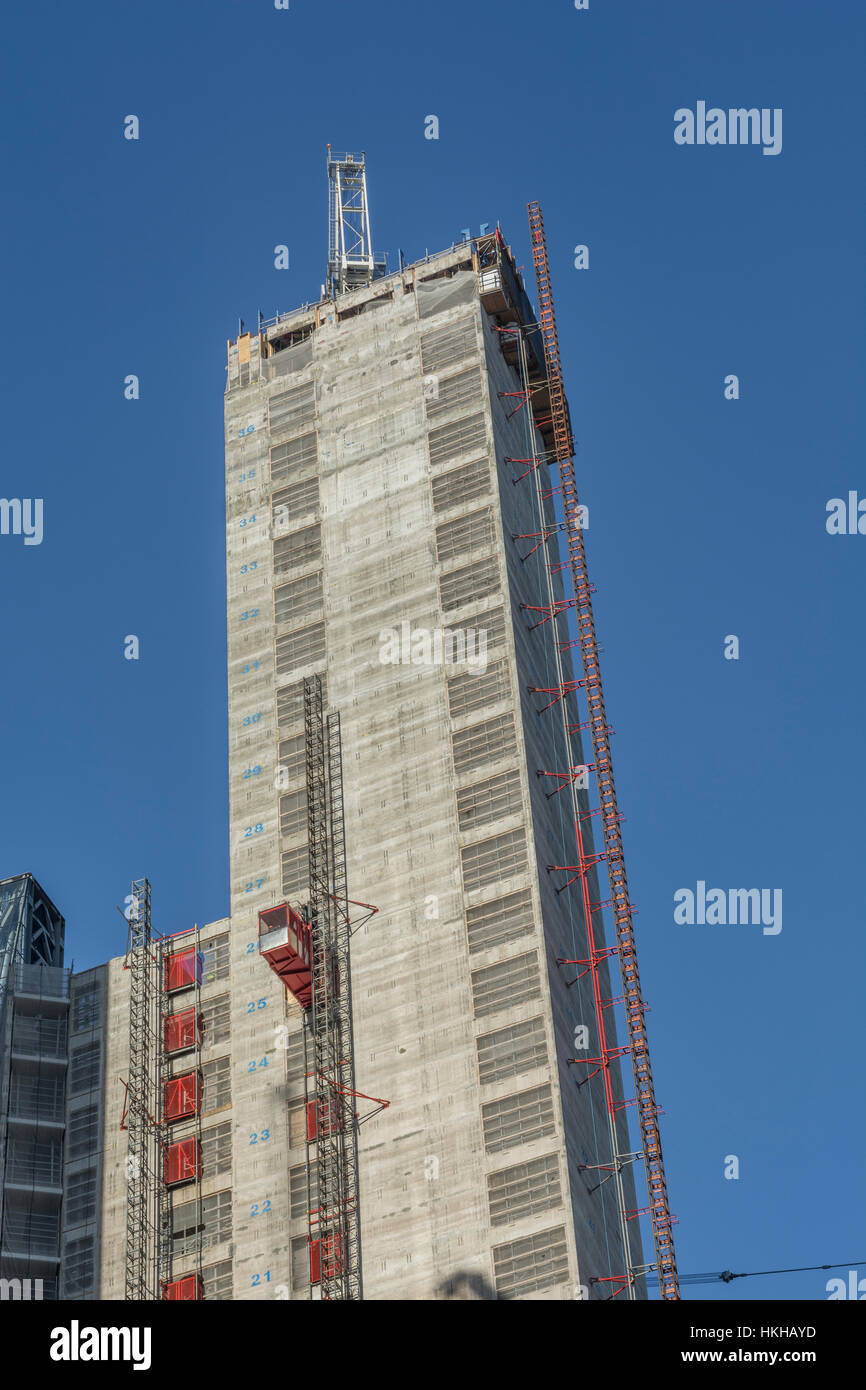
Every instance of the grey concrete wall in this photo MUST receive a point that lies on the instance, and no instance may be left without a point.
(114, 1139)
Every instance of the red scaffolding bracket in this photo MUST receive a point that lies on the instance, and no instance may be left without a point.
(552, 610)
(540, 537)
(625, 1282)
(566, 778)
(369, 912)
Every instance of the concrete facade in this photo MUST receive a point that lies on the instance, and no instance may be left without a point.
(367, 495)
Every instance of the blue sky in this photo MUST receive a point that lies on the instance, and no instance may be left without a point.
(707, 516)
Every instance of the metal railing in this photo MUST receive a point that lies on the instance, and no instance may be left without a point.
(45, 981)
(46, 1037)
(31, 1233)
(36, 1164)
(31, 1098)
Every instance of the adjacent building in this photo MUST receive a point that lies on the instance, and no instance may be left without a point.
(34, 1014)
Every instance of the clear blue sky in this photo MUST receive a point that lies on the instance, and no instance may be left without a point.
(707, 517)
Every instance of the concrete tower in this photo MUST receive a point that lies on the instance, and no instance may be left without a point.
(371, 510)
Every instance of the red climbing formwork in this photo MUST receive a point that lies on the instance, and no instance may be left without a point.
(181, 1096)
(182, 970)
(164, 1098)
(286, 943)
(182, 1161)
(181, 1031)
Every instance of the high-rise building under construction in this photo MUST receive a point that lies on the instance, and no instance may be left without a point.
(393, 1072)
(389, 511)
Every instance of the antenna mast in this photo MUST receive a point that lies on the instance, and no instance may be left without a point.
(351, 262)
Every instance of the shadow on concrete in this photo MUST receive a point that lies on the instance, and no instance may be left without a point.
(465, 1285)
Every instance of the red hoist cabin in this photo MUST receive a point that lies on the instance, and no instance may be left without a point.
(286, 942)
